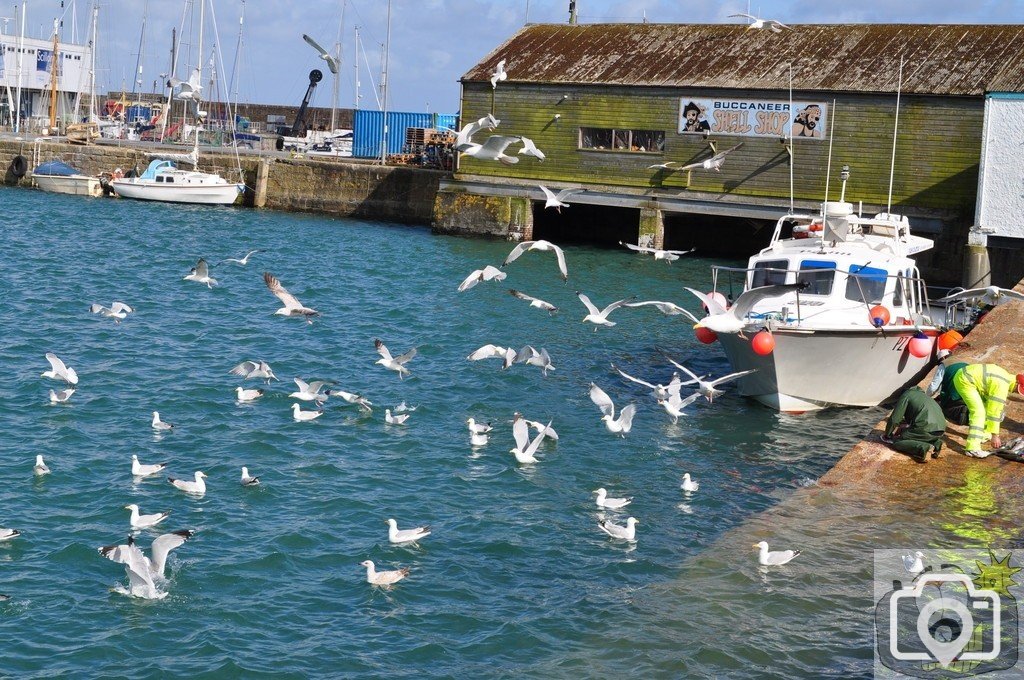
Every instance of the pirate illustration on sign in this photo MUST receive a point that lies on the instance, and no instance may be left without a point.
(806, 122)
(693, 113)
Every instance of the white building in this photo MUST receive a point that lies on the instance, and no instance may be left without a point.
(31, 57)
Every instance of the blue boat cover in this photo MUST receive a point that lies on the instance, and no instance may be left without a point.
(150, 172)
(58, 168)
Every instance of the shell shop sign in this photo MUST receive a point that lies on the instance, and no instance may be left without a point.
(752, 118)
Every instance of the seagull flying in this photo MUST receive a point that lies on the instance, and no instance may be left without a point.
(242, 260)
(757, 22)
(398, 419)
(624, 424)
(626, 533)
(198, 487)
(301, 416)
(247, 479)
(668, 255)
(548, 431)
(534, 302)
(383, 578)
(138, 521)
(543, 246)
(492, 150)
(40, 468)
(396, 364)
(201, 274)
(253, 369)
(707, 388)
(465, 136)
(189, 90)
(714, 162)
(140, 470)
(914, 564)
(688, 485)
(142, 571)
(666, 308)
(310, 391)
(525, 449)
(993, 295)
(600, 317)
(774, 558)
(557, 201)
(669, 165)
(396, 535)
(494, 352)
(159, 424)
(58, 371)
(61, 396)
(674, 405)
(332, 61)
(243, 395)
(733, 320)
(499, 74)
(603, 501)
(488, 273)
(352, 398)
(530, 149)
(117, 311)
(292, 306)
(533, 357)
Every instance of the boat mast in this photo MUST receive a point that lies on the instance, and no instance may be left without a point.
(92, 63)
(142, 42)
(384, 91)
(355, 65)
(21, 54)
(54, 65)
(895, 131)
(199, 67)
(337, 76)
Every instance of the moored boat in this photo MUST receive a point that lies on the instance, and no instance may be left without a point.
(59, 177)
(162, 181)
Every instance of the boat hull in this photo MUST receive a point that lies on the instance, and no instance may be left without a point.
(210, 194)
(813, 369)
(76, 185)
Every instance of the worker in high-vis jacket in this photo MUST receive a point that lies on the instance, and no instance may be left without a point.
(985, 388)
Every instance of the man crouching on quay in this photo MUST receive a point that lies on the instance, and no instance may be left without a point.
(916, 425)
(985, 388)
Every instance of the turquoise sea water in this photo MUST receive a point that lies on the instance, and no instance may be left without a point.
(516, 579)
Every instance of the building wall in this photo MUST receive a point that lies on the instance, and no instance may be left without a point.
(936, 159)
(1000, 193)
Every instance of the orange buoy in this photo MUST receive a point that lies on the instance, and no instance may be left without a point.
(763, 343)
(920, 345)
(705, 335)
(878, 315)
(949, 340)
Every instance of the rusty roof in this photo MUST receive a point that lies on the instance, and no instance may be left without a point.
(939, 59)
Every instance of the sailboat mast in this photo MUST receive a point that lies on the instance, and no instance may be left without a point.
(54, 65)
(384, 90)
(92, 63)
(21, 51)
(355, 65)
(199, 67)
(337, 76)
(142, 42)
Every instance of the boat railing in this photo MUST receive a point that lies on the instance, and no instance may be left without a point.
(913, 290)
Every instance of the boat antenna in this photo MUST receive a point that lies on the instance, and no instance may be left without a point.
(831, 129)
(895, 131)
(791, 149)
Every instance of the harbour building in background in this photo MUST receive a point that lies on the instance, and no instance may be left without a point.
(618, 109)
(25, 68)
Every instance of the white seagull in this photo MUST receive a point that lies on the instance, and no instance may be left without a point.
(478, 428)
(534, 302)
(714, 162)
(675, 404)
(254, 369)
(914, 564)
(189, 90)
(243, 395)
(666, 308)
(383, 578)
(542, 246)
(688, 485)
(198, 487)
(159, 424)
(8, 534)
(669, 165)
(603, 501)
(533, 357)
(58, 371)
(992, 295)
(488, 273)
(116, 311)
(668, 255)
(525, 449)
(352, 398)
(599, 317)
(397, 419)
(404, 408)
(775, 558)
(660, 392)
(557, 201)
(465, 136)
(499, 74)
(733, 320)
(40, 468)
(140, 470)
(138, 521)
(478, 439)
(492, 150)
(332, 61)
(310, 391)
(242, 261)
(396, 535)
(301, 416)
(201, 274)
(757, 22)
(709, 388)
(624, 424)
(247, 479)
(530, 149)
(396, 364)
(548, 431)
(61, 396)
(142, 571)
(292, 306)
(494, 352)
(626, 533)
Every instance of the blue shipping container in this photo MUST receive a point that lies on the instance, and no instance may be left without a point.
(446, 121)
(367, 129)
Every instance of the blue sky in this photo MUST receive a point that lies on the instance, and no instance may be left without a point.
(433, 42)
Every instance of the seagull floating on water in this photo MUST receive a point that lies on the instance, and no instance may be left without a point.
(201, 274)
(40, 468)
(8, 534)
(688, 485)
(396, 364)
(534, 302)
(292, 306)
(599, 317)
(558, 201)
(499, 75)
(117, 311)
(478, 428)
(58, 371)
(488, 273)
(478, 439)
(395, 535)
(247, 479)
(775, 558)
(758, 22)
(138, 521)
(398, 419)
(304, 416)
(244, 395)
(405, 408)
(624, 424)
(198, 487)
(310, 391)
(914, 564)
(669, 256)
(61, 396)
(140, 470)
(254, 369)
(143, 571)
(383, 578)
(626, 533)
(604, 501)
(541, 246)
(159, 424)
(242, 261)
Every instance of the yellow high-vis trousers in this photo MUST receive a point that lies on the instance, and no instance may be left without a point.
(985, 414)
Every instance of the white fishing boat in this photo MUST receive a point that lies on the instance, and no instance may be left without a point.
(852, 328)
(60, 178)
(162, 181)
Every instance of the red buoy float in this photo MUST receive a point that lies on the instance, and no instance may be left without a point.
(949, 340)
(920, 345)
(879, 316)
(705, 335)
(763, 343)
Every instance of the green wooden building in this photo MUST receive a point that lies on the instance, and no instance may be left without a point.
(606, 102)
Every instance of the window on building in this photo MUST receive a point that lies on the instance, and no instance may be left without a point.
(818, 275)
(643, 141)
(866, 284)
(769, 273)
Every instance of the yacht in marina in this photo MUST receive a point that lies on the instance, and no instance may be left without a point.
(163, 181)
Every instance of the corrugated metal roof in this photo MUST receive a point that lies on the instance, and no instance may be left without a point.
(939, 59)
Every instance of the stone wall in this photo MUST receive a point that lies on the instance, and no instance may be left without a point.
(461, 212)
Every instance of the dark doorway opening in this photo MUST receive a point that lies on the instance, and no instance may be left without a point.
(717, 236)
(581, 223)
